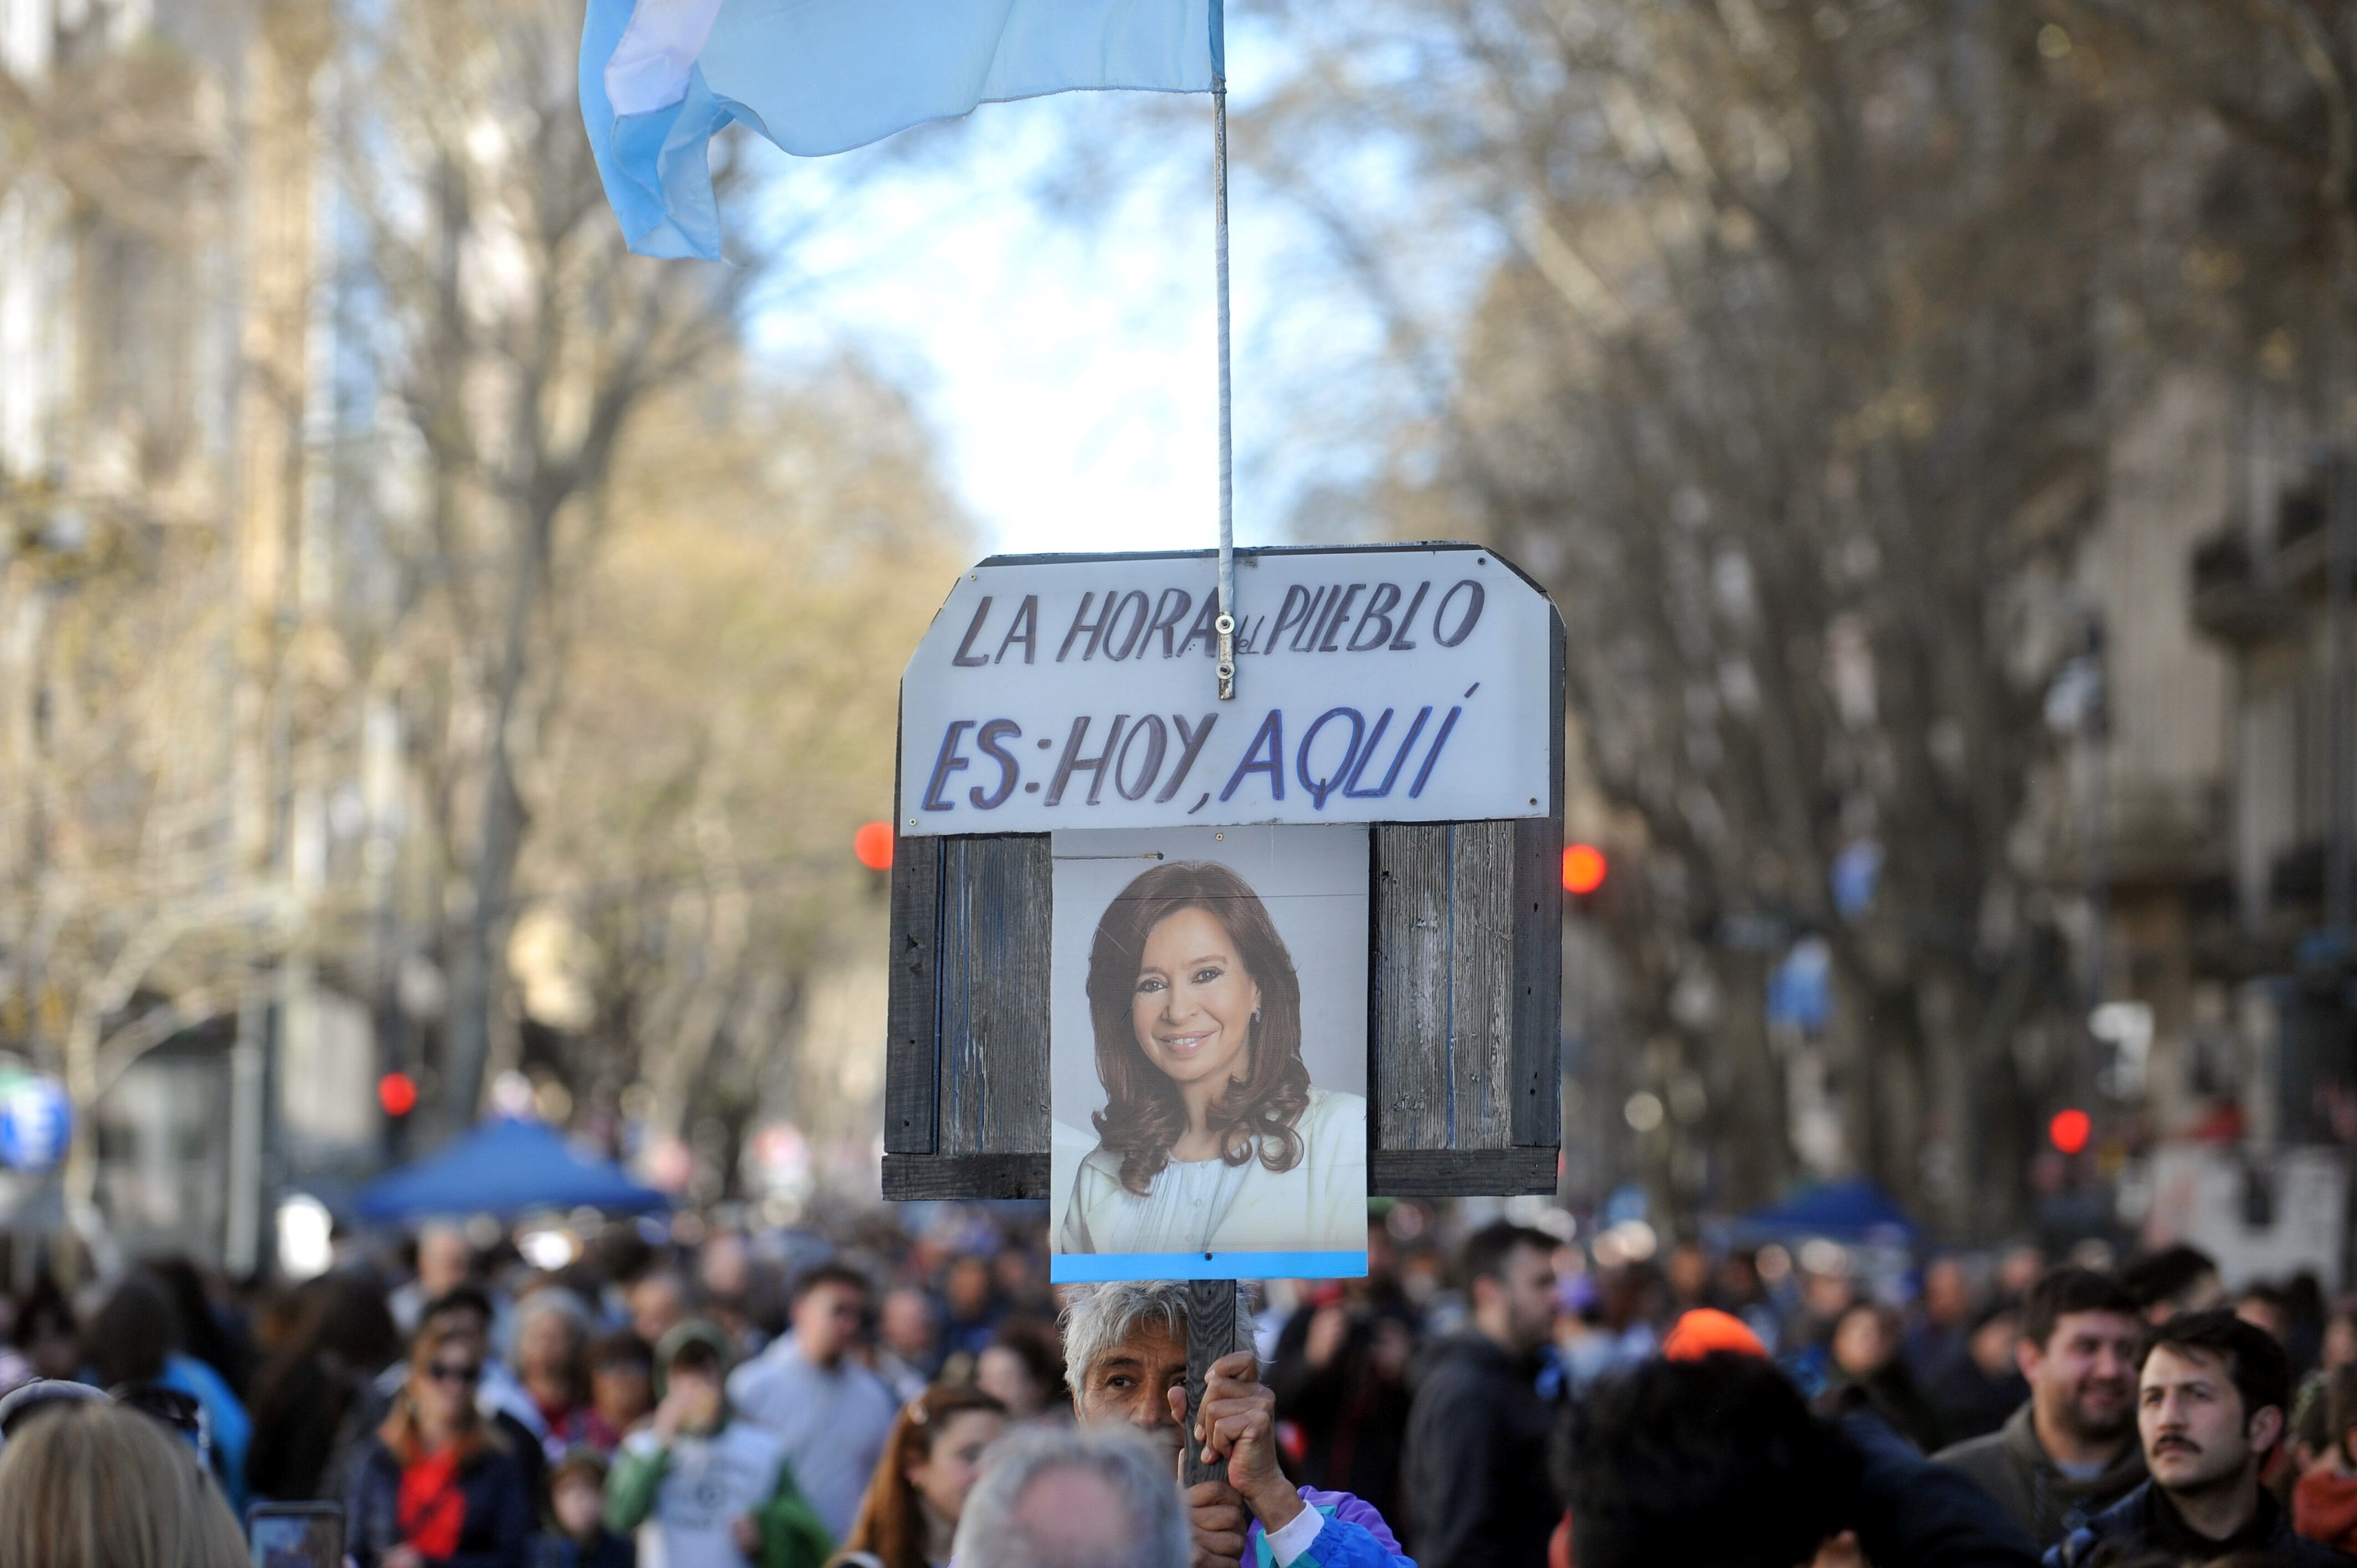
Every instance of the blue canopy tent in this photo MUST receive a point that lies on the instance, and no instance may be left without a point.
(1852, 1209)
(505, 1168)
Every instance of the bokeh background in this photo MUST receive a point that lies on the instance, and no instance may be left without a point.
(444, 660)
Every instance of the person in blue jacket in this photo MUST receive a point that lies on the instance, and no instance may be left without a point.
(1125, 1351)
(135, 1341)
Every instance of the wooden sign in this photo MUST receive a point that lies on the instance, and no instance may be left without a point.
(1417, 689)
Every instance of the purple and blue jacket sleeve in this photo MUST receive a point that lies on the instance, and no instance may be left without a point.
(1354, 1536)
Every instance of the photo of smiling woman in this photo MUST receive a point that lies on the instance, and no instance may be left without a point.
(1212, 1137)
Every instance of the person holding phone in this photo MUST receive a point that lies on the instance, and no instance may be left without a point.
(437, 1486)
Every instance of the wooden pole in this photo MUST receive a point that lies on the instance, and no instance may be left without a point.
(1211, 1333)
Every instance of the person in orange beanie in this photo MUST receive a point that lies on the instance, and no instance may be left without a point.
(1695, 1335)
(1909, 1511)
(1706, 1329)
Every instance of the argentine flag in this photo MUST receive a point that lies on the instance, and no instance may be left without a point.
(660, 77)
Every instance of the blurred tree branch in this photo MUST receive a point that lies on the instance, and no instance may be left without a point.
(522, 340)
(1792, 338)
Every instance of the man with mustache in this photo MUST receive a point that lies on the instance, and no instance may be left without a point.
(2210, 1397)
(2070, 1451)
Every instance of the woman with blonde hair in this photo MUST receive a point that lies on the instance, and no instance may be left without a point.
(930, 1460)
(91, 1484)
(436, 1482)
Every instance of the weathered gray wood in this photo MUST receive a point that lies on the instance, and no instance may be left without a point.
(911, 1004)
(1463, 1007)
(1464, 1000)
(993, 1088)
(1211, 1333)
(1482, 983)
(1449, 1172)
(1408, 983)
(1535, 1085)
(907, 1176)
(1444, 1004)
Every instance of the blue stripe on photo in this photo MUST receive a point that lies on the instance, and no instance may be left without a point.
(1097, 1268)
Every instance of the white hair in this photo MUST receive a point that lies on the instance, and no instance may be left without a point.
(560, 1300)
(1151, 1532)
(1098, 1316)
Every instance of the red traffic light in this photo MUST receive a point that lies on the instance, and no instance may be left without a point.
(397, 1092)
(873, 845)
(2070, 1130)
(1583, 868)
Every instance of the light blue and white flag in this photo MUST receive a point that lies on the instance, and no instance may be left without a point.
(660, 77)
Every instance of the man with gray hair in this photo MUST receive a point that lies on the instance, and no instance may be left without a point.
(1126, 1350)
(1099, 1499)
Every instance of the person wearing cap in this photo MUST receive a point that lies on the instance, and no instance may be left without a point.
(1703, 1331)
(1706, 1330)
(1908, 1512)
(701, 1489)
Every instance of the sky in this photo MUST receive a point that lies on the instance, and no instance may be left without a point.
(1039, 276)
(1064, 360)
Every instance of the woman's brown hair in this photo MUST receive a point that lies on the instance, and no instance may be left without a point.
(1145, 1113)
(400, 1431)
(96, 1486)
(890, 1527)
(2340, 1408)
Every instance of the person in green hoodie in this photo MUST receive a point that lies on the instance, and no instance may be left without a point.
(712, 1492)
(2070, 1451)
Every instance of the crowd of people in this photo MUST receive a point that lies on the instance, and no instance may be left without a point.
(706, 1396)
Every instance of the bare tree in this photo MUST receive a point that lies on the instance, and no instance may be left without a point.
(118, 922)
(521, 339)
(731, 708)
(1785, 381)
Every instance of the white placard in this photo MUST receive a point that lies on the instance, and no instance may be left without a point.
(1371, 685)
(1187, 959)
